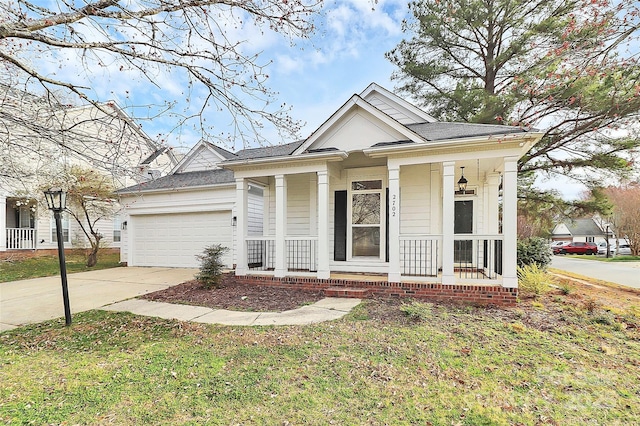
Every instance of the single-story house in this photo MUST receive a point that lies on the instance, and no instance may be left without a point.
(381, 196)
(580, 230)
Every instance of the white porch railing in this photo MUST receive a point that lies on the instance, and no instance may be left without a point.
(478, 257)
(261, 253)
(419, 255)
(302, 254)
(21, 238)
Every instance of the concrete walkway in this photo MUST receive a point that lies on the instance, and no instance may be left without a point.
(40, 299)
(327, 309)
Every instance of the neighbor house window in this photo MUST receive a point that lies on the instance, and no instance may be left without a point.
(591, 239)
(117, 225)
(65, 229)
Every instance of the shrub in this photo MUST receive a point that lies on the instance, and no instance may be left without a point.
(533, 280)
(211, 265)
(534, 250)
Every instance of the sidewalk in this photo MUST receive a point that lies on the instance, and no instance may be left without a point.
(327, 309)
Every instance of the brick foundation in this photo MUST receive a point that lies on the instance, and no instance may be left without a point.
(458, 293)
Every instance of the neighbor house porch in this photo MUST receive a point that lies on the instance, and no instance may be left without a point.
(18, 223)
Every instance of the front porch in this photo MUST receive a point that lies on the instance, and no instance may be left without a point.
(407, 222)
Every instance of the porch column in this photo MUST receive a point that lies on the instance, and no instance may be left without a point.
(510, 222)
(394, 224)
(281, 226)
(3, 223)
(448, 212)
(241, 227)
(324, 271)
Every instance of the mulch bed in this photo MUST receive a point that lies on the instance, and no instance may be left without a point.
(240, 297)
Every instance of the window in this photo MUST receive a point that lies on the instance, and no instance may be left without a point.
(366, 204)
(117, 226)
(591, 239)
(25, 218)
(65, 229)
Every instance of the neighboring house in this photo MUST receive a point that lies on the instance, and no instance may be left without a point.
(374, 190)
(103, 139)
(579, 230)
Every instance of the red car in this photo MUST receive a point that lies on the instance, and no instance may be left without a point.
(576, 248)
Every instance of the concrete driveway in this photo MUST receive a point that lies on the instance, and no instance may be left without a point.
(40, 299)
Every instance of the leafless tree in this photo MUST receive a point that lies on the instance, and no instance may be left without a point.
(200, 42)
(40, 139)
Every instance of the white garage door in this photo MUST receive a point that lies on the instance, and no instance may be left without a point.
(175, 239)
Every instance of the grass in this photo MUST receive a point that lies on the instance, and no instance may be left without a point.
(385, 363)
(44, 266)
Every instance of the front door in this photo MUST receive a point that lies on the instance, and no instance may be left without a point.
(463, 224)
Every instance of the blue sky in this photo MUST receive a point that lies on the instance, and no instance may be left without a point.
(314, 76)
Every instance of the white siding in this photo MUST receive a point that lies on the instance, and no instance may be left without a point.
(202, 159)
(390, 110)
(359, 130)
(298, 210)
(415, 198)
(255, 211)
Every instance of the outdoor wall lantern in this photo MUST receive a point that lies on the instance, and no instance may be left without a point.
(462, 182)
(57, 202)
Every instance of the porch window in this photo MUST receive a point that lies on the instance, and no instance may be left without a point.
(366, 205)
(65, 229)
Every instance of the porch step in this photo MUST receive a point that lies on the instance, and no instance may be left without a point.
(359, 293)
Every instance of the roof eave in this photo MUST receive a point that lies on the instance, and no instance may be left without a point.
(527, 140)
(327, 156)
(174, 189)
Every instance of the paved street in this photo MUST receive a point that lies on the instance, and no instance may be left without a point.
(624, 273)
(40, 299)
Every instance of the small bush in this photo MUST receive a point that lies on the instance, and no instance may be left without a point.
(533, 280)
(534, 250)
(211, 265)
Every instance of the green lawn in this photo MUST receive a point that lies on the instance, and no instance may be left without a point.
(44, 266)
(553, 361)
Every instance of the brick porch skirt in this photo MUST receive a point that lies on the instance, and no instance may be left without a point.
(457, 293)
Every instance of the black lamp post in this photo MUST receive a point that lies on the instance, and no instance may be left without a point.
(57, 202)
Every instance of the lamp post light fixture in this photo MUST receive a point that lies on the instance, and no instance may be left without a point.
(57, 202)
(462, 182)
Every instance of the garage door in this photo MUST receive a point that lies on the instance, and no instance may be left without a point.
(175, 239)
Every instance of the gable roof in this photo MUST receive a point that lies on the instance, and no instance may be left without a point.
(183, 181)
(443, 131)
(267, 151)
(583, 227)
